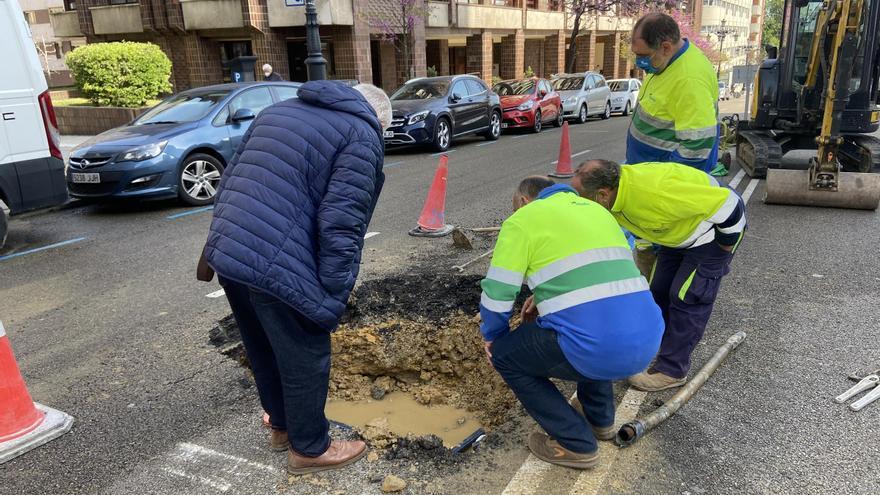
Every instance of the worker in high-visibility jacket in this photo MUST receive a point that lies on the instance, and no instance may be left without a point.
(676, 119)
(591, 318)
(698, 225)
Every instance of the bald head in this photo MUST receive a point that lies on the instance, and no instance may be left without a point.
(597, 180)
(529, 189)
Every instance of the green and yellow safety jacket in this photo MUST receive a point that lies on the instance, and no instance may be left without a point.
(676, 119)
(677, 206)
(579, 266)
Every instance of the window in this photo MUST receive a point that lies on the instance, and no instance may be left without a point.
(474, 87)
(422, 90)
(254, 100)
(285, 92)
(230, 50)
(599, 81)
(531, 4)
(30, 17)
(122, 2)
(69, 4)
(184, 107)
(459, 88)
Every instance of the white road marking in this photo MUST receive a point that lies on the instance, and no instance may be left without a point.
(214, 469)
(519, 137)
(737, 179)
(487, 143)
(749, 190)
(590, 482)
(579, 153)
(533, 471)
(371, 234)
(216, 294)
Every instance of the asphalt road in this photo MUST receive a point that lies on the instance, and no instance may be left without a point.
(113, 329)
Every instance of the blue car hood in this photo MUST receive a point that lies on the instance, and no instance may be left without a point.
(136, 135)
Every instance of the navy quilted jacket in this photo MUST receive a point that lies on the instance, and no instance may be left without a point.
(295, 200)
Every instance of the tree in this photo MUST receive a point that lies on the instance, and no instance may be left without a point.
(398, 28)
(621, 8)
(772, 22)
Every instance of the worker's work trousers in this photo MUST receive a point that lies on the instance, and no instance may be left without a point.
(527, 359)
(290, 358)
(685, 283)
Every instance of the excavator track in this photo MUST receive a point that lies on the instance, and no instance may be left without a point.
(860, 153)
(757, 151)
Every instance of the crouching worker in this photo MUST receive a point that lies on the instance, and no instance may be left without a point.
(696, 222)
(591, 318)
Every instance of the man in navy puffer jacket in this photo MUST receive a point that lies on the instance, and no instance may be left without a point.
(289, 221)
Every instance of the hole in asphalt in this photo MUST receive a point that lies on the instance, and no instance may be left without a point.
(412, 339)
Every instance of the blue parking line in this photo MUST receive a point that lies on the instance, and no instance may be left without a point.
(44, 248)
(389, 165)
(190, 212)
(444, 152)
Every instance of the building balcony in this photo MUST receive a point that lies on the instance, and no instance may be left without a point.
(438, 14)
(330, 12)
(602, 23)
(537, 19)
(117, 19)
(212, 14)
(65, 23)
(473, 16)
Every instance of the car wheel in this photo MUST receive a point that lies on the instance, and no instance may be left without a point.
(442, 135)
(583, 114)
(626, 110)
(560, 119)
(607, 114)
(494, 131)
(199, 178)
(4, 223)
(538, 123)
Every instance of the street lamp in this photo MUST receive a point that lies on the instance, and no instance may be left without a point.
(721, 34)
(316, 64)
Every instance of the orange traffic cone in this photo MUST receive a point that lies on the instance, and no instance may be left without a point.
(563, 166)
(24, 425)
(432, 221)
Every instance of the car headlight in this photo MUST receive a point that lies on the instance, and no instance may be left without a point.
(144, 152)
(418, 117)
(526, 106)
(618, 99)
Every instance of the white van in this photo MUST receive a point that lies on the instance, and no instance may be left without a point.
(31, 166)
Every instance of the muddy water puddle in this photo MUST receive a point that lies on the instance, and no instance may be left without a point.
(405, 417)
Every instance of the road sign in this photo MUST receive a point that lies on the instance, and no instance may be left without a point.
(294, 3)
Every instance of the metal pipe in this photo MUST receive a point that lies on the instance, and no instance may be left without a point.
(632, 431)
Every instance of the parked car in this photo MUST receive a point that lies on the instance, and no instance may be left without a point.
(723, 93)
(177, 148)
(529, 103)
(624, 95)
(436, 110)
(583, 95)
(31, 167)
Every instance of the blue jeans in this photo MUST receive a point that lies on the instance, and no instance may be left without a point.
(527, 358)
(290, 359)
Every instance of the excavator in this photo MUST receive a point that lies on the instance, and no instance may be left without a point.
(818, 90)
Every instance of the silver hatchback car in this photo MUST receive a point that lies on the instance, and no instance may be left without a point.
(583, 95)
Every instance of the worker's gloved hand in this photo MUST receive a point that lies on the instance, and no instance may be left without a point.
(529, 311)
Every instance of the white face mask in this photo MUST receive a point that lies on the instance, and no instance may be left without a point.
(266, 74)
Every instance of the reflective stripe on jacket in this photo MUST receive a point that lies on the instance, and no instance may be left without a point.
(677, 206)
(676, 119)
(579, 266)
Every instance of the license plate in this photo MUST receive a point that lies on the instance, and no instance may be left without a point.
(85, 178)
(504, 126)
(389, 134)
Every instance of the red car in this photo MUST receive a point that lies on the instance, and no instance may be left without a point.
(529, 103)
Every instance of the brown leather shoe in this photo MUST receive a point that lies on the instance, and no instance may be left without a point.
(278, 440)
(549, 450)
(340, 454)
(604, 433)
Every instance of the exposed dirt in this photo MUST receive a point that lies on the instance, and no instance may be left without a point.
(415, 333)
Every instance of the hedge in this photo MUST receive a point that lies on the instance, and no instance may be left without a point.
(124, 73)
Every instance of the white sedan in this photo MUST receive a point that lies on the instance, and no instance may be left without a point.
(624, 95)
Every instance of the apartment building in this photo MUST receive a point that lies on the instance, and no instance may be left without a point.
(739, 23)
(50, 47)
(493, 38)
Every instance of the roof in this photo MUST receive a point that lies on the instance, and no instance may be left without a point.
(236, 86)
